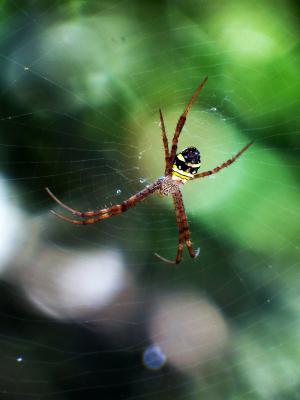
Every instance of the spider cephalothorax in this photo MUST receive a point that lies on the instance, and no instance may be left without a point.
(186, 164)
(179, 168)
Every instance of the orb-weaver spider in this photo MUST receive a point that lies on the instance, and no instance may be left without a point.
(179, 168)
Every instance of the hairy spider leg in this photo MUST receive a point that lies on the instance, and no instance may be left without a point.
(183, 230)
(181, 123)
(106, 212)
(180, 240)
(224, 165)
(165, 141)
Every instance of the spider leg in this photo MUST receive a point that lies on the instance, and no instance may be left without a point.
(86, 221)
(72, 210)
(182, 222)
(166, 260)
(178, 256)
(165, 142)
(106, 212)
(183, 230)
(182, 120)
(224, 165)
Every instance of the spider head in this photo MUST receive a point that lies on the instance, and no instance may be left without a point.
(186, 164)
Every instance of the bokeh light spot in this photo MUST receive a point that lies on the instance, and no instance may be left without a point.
(154, 358)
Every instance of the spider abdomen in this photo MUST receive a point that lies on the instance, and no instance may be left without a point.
(186, 164)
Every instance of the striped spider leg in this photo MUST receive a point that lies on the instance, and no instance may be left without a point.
(183, 231)
(181, 123)
(224, 165)
(90, 217)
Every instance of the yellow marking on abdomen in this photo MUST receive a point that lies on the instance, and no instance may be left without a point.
(181, 174)
(187, 178)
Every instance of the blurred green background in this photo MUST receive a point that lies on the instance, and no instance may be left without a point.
(80, 87)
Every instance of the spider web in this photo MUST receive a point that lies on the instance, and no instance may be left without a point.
(89, 311)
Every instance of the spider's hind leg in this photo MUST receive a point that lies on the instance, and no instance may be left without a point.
(190, 248)
(178, 256)
(183, 231)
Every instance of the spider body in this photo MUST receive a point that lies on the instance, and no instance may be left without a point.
(169, 185)
(179, 168)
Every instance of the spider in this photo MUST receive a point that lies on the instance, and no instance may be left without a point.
(179, 168)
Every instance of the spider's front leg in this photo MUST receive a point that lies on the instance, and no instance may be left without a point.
(181, 123)
(224, 165)
(165, 142)
(94, 216)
